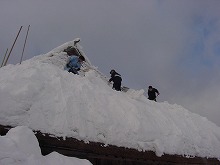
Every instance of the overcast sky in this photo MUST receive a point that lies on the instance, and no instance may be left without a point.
(173, 45)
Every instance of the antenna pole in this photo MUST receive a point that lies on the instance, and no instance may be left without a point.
(24, 44)
(12, 46)
(4, 57)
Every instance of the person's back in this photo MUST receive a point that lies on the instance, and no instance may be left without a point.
(152, 93)
(74, 63)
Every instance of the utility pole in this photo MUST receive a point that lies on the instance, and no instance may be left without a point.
(24, 44)
(12, 46)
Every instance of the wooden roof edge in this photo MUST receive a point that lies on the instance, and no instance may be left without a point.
(74, 147)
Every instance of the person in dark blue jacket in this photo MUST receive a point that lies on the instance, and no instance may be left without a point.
(152, 93)
(116, 78)
(74, 63)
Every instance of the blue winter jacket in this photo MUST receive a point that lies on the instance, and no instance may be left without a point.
(73, 63)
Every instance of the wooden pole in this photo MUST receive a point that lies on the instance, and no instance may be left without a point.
(12, 46)
(24, 44)
(4, 57)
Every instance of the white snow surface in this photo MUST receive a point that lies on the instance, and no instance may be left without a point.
(20, 147)
(41, 95)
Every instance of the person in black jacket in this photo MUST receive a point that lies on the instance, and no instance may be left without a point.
(152, 93)
(116, 78)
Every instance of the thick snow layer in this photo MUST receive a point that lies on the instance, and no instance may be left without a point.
(41, 95)
(20, 147)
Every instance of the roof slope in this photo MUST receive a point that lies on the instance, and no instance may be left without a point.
(40, 94)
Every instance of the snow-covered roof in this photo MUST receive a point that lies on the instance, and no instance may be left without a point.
(40, 94)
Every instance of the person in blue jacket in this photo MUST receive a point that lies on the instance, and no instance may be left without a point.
(74, 63)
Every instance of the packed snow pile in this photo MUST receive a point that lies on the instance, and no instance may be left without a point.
(20, 147)
(40, 94)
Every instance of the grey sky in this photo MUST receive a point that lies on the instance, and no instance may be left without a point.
(173, 45)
